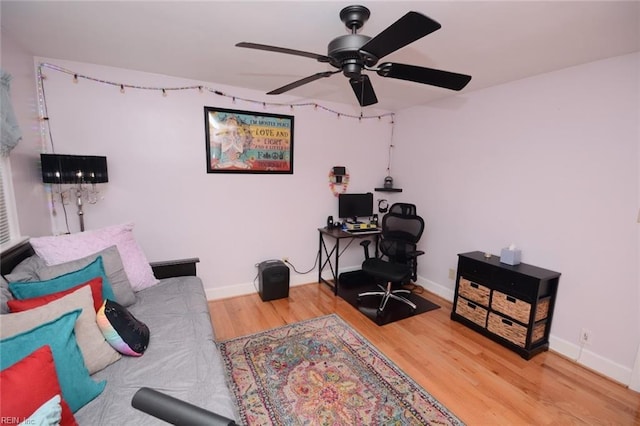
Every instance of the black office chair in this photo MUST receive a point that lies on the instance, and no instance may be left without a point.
(397, 263)
(403, 208)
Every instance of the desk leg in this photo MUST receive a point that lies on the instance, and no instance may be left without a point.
(323, 247)
(337, 272)
(320, 258)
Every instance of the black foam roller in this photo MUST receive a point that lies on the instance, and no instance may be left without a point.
(175, 411)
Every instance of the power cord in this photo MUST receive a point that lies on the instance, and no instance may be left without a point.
(315, 262)
(255, 278)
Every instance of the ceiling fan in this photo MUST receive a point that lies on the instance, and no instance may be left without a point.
(354, 53)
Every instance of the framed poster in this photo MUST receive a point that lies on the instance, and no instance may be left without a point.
(248, 142)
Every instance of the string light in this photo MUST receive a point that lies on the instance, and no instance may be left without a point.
(201, 89)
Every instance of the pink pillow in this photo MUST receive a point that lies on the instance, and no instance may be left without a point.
(64, 248)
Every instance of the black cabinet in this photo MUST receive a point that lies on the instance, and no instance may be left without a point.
(512, 305)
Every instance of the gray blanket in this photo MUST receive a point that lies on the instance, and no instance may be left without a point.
(182, 359)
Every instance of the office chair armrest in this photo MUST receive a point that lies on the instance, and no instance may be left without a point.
(415, 253)
(365, 244)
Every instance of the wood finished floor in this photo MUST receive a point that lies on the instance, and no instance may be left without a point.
(480, 381)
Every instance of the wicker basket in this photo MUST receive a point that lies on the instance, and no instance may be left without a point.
(538, 332)
(473, 291)
(471, 311)
(542, 311)
(508, 329)
(511, 306)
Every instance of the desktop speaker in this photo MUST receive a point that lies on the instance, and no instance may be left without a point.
(273, 280)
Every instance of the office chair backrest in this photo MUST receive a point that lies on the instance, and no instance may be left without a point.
(400, 234)
(402, 227)
(403, 209)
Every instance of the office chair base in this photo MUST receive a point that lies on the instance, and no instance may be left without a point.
(387, 294)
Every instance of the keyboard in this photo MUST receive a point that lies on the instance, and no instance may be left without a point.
(363, 231)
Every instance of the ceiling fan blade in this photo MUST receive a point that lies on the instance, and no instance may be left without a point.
(363, 89)
(433, 77)
(319, 58)
(405, 30)
(301, 82)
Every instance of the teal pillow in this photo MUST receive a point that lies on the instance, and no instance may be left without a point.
(78, 388)
(29, 289)
(49, 413)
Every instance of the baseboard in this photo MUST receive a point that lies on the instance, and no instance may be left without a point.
(591, 360)
(244, 289)
(440, 290)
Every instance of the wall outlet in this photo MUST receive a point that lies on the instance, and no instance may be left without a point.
(452, 274)
(585, 336)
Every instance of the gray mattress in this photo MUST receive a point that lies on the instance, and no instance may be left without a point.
(182, 359)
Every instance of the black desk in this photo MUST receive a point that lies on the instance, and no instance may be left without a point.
(337, 234)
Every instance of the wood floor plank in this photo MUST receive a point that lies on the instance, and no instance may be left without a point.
(480, 381)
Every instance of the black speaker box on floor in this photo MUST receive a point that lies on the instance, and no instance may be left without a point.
(273, 280)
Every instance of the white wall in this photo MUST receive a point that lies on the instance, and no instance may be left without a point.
(549, 163)
(155, 148)
(27, 182)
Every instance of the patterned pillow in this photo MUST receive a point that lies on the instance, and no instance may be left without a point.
(122, 330)
(65, 248)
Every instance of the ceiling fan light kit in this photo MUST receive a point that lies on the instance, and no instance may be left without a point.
(354, 53)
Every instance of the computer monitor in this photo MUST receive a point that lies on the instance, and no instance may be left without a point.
(353, 206)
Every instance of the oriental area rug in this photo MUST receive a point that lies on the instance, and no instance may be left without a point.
(323, 372)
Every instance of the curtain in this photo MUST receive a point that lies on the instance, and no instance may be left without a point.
(10, 133)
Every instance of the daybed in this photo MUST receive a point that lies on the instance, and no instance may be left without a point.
(181, 359)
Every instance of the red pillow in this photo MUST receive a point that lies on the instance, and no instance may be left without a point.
(28, 384)
(25, 304)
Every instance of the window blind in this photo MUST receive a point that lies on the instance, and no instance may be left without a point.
(5, 230)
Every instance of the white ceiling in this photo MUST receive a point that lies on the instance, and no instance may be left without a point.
(493, 41)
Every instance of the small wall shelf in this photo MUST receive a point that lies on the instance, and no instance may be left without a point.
(388, 189)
